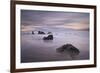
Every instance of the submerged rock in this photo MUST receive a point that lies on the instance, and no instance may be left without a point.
(49, 33)
(49, 37)
(69, 49)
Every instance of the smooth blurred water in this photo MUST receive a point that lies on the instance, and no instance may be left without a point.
(35, 49)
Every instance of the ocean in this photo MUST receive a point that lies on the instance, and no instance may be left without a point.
(35, 49)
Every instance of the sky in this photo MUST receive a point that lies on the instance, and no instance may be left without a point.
(30, 19)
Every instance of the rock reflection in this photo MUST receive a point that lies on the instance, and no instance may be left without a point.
(68, 49)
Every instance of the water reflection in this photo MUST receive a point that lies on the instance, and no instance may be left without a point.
(47, 41)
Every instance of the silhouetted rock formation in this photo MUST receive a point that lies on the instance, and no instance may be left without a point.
(41, 32)
(32, 32)
(49, 37)
(70, 49)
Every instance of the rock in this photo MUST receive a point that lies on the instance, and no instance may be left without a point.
(68, 48)
(41, 32)
(32, 32)
(49, 37)
(49, 33)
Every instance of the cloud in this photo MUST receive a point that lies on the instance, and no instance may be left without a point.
(53, 18)
(78, 26)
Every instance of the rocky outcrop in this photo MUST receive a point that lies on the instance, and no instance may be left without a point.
(49, 37)
(41, 32)
(70, 49)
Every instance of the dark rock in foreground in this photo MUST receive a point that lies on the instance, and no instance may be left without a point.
(69, 49)
(49, 37)
(41, 32)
